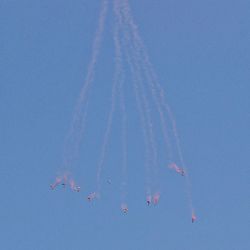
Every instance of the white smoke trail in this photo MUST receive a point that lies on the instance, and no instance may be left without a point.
(155, 86)
(140, 102)
(120, 71)
(111, 112)
(140, 49)
(138, 70)
(73, 139)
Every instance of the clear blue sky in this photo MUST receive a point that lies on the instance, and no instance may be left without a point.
(200, 50)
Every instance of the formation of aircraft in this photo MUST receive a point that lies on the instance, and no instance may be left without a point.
(63, 181)
(149, 199)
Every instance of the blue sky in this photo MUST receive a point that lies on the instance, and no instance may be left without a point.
(200, 50)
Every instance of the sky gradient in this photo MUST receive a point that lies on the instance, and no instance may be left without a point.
(200, 50)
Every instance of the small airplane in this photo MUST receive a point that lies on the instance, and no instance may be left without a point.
(149, 199)
(91, 196)
(177, 169)
(77, 188)
(156, 198)
(193, 218)
(182, 172)
(56, 183)
(125, 209)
